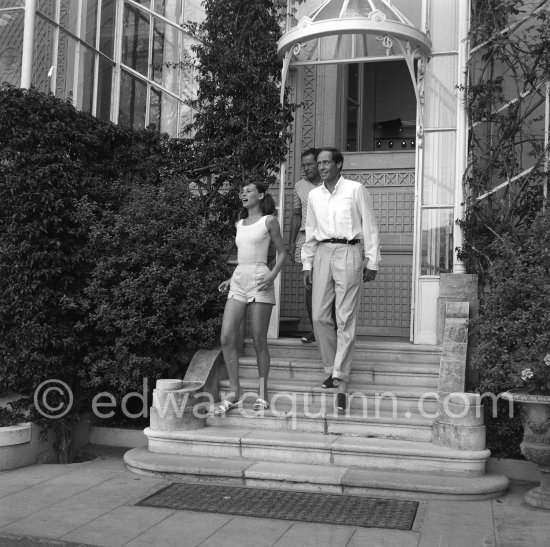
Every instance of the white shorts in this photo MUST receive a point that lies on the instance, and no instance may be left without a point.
(244, 283)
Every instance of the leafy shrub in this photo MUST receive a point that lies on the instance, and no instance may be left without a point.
(514, 323)
(504, 235)
(240, 127)
(59, 173)
(153, 293)
(108, 274)
(10, 417)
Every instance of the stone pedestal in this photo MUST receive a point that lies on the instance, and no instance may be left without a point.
(177, 406)
(540, 496)
(460, 422)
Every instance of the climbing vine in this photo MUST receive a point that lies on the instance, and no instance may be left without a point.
(508, 69)
(240, 127)
(506, 219)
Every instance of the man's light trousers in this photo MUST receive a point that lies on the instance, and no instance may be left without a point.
(337, 275)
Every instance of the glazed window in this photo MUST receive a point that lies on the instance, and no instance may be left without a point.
(127, 61)
(379, 110)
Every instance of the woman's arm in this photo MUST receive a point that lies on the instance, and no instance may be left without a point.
(277, 240)
(224, 285)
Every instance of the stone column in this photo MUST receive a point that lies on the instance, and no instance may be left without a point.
(456, 288)
(460, 421)
(459, 288)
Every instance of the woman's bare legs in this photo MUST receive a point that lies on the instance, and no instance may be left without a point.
(233, 316)
(260, 313)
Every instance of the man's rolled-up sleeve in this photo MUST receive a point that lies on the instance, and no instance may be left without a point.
(371, 238)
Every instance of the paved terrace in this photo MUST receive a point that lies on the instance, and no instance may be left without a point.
(93, 503)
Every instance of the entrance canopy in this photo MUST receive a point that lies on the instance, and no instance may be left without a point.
(351, 31)
(346, 31)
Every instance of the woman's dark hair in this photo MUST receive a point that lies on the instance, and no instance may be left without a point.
(267, 204)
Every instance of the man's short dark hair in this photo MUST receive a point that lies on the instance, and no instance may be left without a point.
(310, 152)
(337, 156)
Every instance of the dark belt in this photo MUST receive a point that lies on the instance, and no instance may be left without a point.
(340, 240)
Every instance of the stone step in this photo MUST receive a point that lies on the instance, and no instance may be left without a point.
(319, 449)
(312, 371)
(282, 416)
(333, 479)
(365, 351)
(427, 369)
(369, 398)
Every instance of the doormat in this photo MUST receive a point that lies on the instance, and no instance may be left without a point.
(286, 505)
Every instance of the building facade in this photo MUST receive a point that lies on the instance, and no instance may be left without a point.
(123, 61)
(382, 80)
(379, 81)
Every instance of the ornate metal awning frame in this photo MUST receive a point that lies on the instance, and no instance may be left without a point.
(378, 18)
(364, 19)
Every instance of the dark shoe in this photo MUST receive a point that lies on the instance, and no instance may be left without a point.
(330, 382)
(308, 338)
(341, 401)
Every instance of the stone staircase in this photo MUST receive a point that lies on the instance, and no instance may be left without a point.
(386, 384)
(382, 445)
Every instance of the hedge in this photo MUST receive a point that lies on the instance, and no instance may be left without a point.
(108, 268)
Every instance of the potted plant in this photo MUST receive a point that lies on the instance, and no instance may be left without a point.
(534, 402)
(513, 351)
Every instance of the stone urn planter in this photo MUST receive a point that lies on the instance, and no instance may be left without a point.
(535, 418)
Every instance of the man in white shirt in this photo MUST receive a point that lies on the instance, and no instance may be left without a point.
(341, 247)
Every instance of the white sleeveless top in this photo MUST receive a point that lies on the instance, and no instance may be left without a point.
(252, 242)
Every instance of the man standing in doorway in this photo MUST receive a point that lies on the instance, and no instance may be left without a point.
(298, 222)
(342, 248)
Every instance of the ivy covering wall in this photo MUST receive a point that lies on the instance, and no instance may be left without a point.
(506, 221)
(240, 132)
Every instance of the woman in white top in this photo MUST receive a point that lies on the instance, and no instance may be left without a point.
(251, 285)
